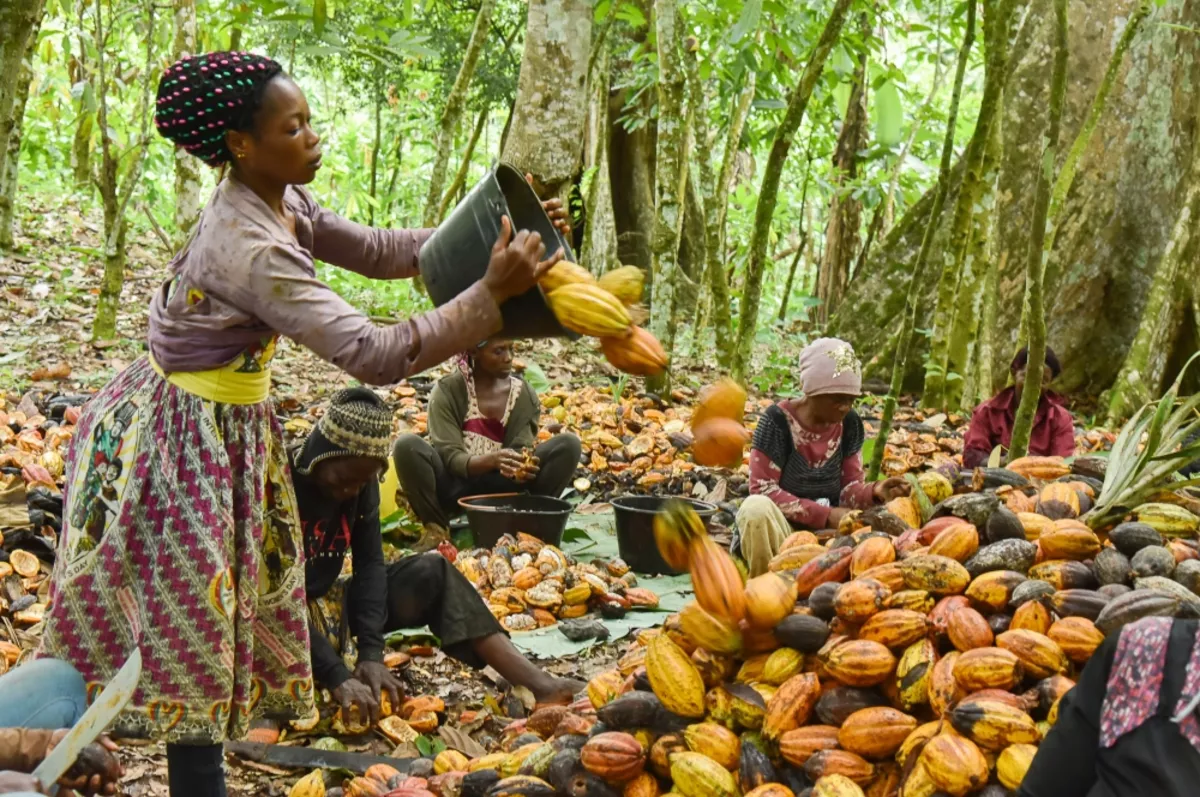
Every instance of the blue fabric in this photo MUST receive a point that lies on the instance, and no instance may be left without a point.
(45, 694)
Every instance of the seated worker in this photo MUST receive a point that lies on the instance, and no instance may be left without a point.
(1053, 432)
(481, 420)
(806, 466)
(39, 701)
(336, 474)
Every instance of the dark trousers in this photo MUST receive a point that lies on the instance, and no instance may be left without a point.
(433, 491)
(196, 771)
(427, 590)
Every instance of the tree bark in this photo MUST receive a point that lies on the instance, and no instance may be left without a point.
(455, 102)
(670, 179)
(845, 212)
(803, 242)
(8, 178)
(551, 105)
(81, 73)
(599, 252)
(908, 320)
(1034, 315)
(768, 194)
(1144, 369)
(954, 282)
(19, 21)
(187, 168)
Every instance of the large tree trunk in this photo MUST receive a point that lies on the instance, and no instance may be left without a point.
(8, 178)
(670, 178)
(19, 21)
(768, 194)
(551, 106)
(80, 73)
(845, 211)
(598, 251)
(455, 102)
(1116, 220)
(1033, 315)
(187, 168)
(908, 319)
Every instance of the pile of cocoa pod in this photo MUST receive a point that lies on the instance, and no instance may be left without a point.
(529, 585)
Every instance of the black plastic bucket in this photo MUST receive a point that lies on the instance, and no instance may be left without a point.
(456, 256)
(635, 530)
(493, 516)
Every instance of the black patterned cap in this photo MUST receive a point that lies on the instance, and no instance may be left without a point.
(357, 424)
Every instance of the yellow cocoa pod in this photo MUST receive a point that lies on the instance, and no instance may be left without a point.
(311, 785)
(625, 283)
(674, 678)
(955, 765)
(450, 761)
(1012, 764)
(697, 775)
(589, 310)
(782, 665)
(715, 741)
(563, 273)
(836, 786)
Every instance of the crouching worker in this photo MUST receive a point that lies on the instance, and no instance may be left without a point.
(482, 420)
(39, 702)
(806, 469)
(336, 473)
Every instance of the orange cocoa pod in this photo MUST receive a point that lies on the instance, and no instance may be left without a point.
(967, 630)
(715, 579)
(875, 733)
(958, 542)
(791, 705)
(719, 443)
(871, 552)
(797, 746)
(638, 353)
(858, 600)
(769, 599)
(830, 566)
(722, 399)
(1031, 616)
(1077, 636)
(944, 690)
(613, 756)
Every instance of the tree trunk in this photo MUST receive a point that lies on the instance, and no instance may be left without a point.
(1034, 315)
(455, 102)
(908, 319)
(1116, 219)
(803, 242)
(376, 149)
(954, 282)
(551, 105)
(8, 178)
(716, 207)
(460, 177)
(768, 194)
(599, 252)
(114, 199)
(1144, 369)
(19, 21)
(81, 74)
(845, 211)
(670, 179)
(187, 168)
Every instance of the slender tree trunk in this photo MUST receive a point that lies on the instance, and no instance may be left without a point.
(799, 255)
(908, 320)
(768, 194)
(552, 96)
(187, 168)
(464, 168)
(8, 178)
(455, 102)
(376, 149)
(1034, 314)
(1142, 372)
(997, 16)
(845, 211)
(716, 210)
(1066, 175)
(670, 179)
(81, 75)
(116, 200)
(396, 163)
(983, 365)
(235, 32)
(19, 22)
(599, 248)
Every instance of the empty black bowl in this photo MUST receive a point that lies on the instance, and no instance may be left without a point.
(635, 530)
(493, 516)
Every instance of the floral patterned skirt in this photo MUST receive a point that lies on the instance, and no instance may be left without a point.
(181, 537)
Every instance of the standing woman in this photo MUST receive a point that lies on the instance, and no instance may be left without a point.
(189, 546)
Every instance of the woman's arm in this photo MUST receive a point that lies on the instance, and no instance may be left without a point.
(1065, 764)
(856, 493)
(368, 599)
(373, 252)
(977, 443)
(764, 480)
(286, 294)
(524, 419)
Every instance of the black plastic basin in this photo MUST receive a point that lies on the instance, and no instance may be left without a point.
(493, 516)
(456, 256)
(635, 530)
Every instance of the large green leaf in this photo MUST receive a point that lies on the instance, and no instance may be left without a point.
(889, 114)
(747, 23)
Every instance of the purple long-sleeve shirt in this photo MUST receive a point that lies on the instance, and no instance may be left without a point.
(244, 277)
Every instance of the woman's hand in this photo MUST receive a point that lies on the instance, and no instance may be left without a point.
(835, 516)
(380, 679)
(96, 770)
(354, 692)
(555, 210)
(895, 487)
(509, 463)
(516, 264)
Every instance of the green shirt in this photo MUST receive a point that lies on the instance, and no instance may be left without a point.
(448, 410)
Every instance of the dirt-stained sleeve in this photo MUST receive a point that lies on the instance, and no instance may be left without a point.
(371, 251)
(286, 295)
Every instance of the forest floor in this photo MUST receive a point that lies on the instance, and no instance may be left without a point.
(47, 299)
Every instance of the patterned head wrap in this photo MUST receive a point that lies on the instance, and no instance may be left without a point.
(357, 424)
(829, 366)
(202, 97)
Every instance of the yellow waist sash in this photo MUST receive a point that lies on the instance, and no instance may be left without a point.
(228, 384)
